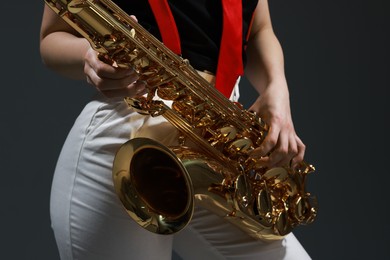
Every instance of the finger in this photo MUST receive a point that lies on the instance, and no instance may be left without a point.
(300, 153)
(103, 69)
(114, 84)
(262, 162)
(132, 90)
(286, 156)
(104, 84)
(134, 18)
(280, 154)
(268, 144)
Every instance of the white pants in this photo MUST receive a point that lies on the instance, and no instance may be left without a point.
(90, 223)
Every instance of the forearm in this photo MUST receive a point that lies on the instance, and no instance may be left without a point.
(61, 48)
(265, 63)
(266, 73)
(64, 53)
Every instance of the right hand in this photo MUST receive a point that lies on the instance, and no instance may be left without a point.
(111, 80)
(281, 146)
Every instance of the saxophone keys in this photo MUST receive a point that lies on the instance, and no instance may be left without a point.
(264, 207)
(132, 32)
(240, 146)
(260, 138)
(76, 6)
(283, 224)
(312, 205)
(277, 174)
(304, 208)
(141, 63)
(205, 120)
(264, 202)
(170, 91)
(312, 216)
(299, 208)
(243, 187)
(228, 133)
(303, 168)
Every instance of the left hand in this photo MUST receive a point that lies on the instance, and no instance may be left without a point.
(281, 146)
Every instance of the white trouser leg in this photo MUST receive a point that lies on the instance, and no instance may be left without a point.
(89, 221)
(210, 237)
(87, 217)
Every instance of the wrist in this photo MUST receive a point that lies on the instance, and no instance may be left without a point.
(277, 84)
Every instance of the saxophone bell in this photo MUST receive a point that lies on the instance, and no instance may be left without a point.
(153, 186)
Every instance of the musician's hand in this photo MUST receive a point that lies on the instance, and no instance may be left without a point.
(111, 80)
(281, 142)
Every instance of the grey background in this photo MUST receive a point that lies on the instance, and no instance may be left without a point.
(337, 68)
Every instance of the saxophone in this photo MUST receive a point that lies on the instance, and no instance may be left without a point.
(159, 185)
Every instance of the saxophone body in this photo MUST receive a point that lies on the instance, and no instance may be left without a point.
(159, 185)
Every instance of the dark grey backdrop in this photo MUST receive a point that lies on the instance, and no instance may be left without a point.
(337, 67)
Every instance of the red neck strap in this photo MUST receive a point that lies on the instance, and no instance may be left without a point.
(166, 24)
(230, 65)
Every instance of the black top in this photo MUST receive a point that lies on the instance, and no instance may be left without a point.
(199, 23)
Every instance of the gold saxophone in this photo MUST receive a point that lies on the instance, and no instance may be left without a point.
(159, 185)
